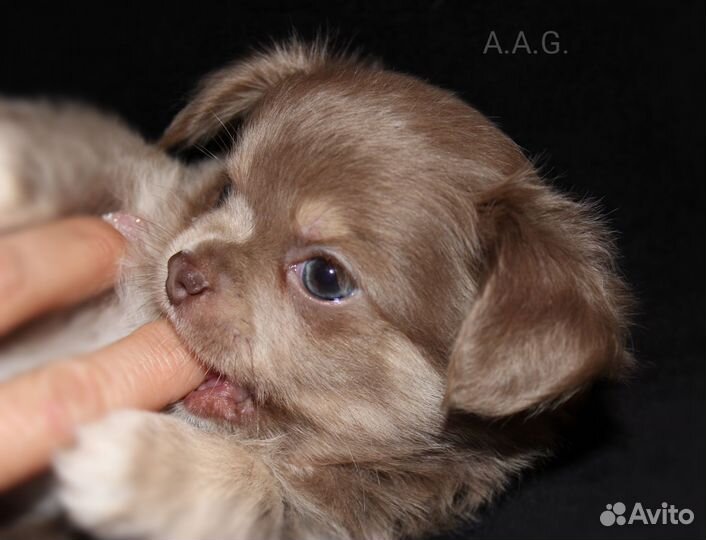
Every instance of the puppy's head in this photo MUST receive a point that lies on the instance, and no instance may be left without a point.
(375, 253)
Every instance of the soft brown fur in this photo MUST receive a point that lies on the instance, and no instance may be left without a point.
(483, 295)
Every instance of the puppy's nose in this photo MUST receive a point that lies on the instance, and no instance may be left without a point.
(184, 279)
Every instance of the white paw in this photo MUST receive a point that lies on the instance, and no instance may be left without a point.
(96, 476)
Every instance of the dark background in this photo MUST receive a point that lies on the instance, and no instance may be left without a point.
(619, 117)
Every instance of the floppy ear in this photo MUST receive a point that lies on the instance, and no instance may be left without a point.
(550, 315)
(235, 89)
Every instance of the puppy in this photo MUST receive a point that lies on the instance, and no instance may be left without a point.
(392, 306)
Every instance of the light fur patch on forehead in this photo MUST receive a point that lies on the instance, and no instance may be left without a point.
(319, 220)
(242, 219)
(234, 223)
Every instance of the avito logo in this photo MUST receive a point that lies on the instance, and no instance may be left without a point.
(668, 514)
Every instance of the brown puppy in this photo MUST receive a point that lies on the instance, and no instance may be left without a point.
(374, 275)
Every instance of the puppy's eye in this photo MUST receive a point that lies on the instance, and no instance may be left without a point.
(224, 194)
(326, 280)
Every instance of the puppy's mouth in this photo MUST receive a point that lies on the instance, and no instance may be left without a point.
(220, 398)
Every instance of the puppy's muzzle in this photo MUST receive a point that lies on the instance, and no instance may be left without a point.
(185, 280)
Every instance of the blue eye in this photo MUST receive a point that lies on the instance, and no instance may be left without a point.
(326, 280)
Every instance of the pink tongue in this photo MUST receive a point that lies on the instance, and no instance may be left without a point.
(218, 397)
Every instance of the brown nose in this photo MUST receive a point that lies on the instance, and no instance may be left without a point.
(184, 279)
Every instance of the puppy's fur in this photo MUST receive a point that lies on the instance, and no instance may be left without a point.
(484, 301)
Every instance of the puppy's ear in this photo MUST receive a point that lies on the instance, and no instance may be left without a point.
(232, 91)
(550, 315)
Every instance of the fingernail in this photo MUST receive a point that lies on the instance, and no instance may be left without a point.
(126, 224)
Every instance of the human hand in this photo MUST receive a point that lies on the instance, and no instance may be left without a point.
(54, 266)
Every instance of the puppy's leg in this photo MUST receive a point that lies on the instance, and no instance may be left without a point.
(59, 159)
(152, 476)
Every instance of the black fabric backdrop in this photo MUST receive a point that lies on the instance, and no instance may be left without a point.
(619, 117)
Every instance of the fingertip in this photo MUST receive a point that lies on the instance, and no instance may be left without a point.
(149, 369)
(98, 239)
(55, 265)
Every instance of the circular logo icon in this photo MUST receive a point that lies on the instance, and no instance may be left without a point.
(613, 514)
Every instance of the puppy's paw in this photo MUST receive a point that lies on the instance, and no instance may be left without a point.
(152, 476)
(98, 477)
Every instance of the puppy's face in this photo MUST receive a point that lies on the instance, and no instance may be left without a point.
(326, 283)
(370, 246)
